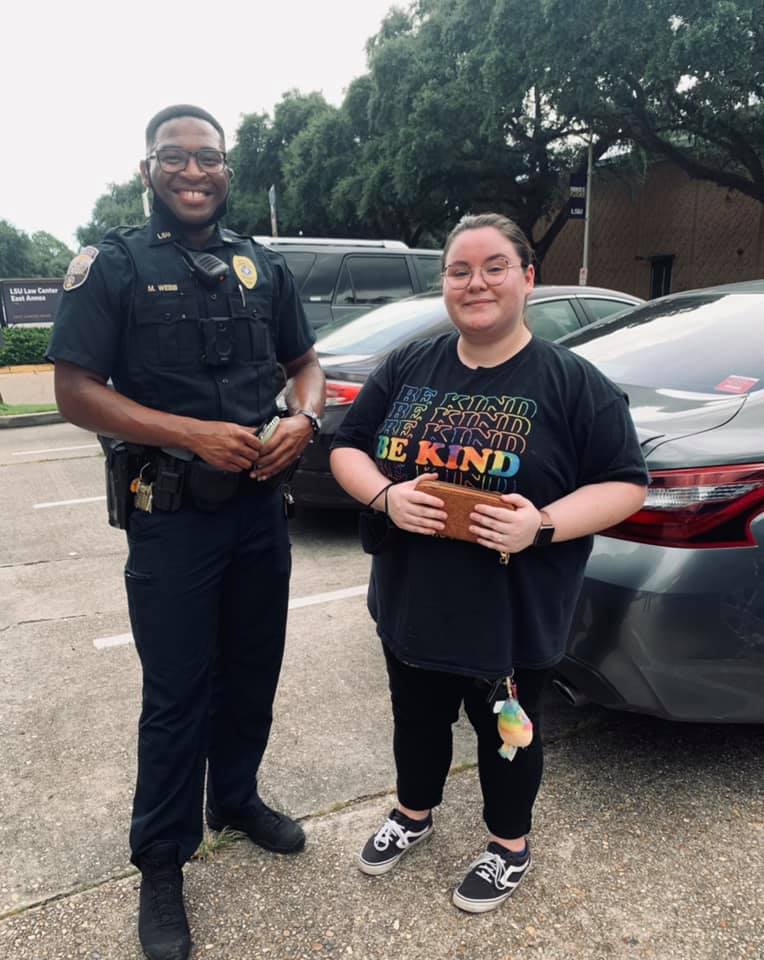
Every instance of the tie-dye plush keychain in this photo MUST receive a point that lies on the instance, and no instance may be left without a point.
(515, 728)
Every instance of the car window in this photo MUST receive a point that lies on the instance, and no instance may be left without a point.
(319, 284)
(600, 307)
(299, 263)
(709, 343)
(373, 280)
(429, 272)
(551, 319)
(383, 329)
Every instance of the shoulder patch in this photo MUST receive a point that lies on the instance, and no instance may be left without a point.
(78, 270)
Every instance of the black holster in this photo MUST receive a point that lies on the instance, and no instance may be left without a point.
(122, 463)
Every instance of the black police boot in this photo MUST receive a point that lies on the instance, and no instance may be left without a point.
(162, 924)
(268, 829)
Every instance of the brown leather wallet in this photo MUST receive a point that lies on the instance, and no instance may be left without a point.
(459, 503)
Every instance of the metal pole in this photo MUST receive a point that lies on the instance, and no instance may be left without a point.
(583, 276)
(272, 205)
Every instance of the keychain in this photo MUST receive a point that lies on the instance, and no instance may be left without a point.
(515, 727)
(288, 501)
(143, 490)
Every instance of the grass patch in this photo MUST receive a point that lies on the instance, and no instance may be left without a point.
(213, 843)
(14, 409)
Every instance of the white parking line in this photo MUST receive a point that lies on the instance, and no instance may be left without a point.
(65, 503)
(327, 597)
(121, 639)
(29, 453)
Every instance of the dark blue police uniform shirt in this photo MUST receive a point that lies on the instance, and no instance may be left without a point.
(137, 318)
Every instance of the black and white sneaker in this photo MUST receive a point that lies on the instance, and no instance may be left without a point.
(397, 835)
(492, 878)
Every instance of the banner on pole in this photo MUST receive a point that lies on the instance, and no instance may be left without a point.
(577, 201)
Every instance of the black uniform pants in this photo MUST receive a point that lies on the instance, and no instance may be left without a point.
(208, 595)
(426, 705)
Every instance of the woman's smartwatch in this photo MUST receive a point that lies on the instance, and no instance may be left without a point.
(315, 420)
(545, 531)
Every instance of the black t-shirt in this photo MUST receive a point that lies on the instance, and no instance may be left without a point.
(541, 424)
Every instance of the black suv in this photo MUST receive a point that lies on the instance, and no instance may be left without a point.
(341, 279)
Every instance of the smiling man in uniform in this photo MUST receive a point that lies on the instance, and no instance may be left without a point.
(199, 329)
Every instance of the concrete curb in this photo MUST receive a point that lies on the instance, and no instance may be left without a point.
(28, 368)
(31, 419)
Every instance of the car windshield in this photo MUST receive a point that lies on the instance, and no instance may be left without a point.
(380, 330)
(710, 343)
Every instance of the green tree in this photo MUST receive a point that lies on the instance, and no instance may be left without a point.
(120, 206)
(16, 252)
(258, 159)
(489, 103)
(682, 79)
(248, 203)
(51, 256)
(453, 133)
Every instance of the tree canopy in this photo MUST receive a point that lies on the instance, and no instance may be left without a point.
(38, 255)
(120, 206)
(683, 79)
(470, 105)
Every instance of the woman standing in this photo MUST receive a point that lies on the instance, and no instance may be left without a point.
(487, 406)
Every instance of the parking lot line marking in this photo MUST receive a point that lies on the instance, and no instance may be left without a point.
(328, 597)
(29, 453)
(121, 639)
(65, 503)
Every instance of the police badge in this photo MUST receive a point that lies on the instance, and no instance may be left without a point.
(246, 271)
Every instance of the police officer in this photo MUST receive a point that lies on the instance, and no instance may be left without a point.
(198, 328)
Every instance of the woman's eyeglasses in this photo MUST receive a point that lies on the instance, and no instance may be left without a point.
(459, 275)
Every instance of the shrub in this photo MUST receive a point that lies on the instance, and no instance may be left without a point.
(23, 345)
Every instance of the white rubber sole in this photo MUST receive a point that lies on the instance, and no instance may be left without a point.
(484, 906)
(377, 869)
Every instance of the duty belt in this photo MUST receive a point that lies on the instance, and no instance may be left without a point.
(166, 483)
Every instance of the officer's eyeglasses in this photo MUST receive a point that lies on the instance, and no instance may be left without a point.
(494, 271)
(175, 159)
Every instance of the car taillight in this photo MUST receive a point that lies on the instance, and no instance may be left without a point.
(341, 392)
(705, 507)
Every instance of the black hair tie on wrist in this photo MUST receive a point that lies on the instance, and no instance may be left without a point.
(379, 494)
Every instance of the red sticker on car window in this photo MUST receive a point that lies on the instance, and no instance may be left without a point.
(735, 384)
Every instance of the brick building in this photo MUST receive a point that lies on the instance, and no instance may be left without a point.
(661, 234)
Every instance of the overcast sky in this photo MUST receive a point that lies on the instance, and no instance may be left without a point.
(79, 81)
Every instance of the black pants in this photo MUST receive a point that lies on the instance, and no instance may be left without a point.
(208, 595)
(426, 705)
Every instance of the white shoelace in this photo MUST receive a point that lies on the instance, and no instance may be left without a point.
(391, 830)
(494, 868)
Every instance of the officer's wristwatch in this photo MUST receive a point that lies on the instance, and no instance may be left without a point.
(545, 531)
(315, 420)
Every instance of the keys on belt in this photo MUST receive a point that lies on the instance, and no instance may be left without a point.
(165, 483)
(143, 489)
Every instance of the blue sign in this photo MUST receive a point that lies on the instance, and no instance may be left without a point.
(577, 201)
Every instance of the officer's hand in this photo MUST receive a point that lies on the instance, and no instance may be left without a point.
(226, 446)
(292, 436)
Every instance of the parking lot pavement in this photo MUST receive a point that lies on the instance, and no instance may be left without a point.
(642, 850)
(648, 842)
(29, 384)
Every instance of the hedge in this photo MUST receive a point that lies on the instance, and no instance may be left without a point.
(23, 345)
